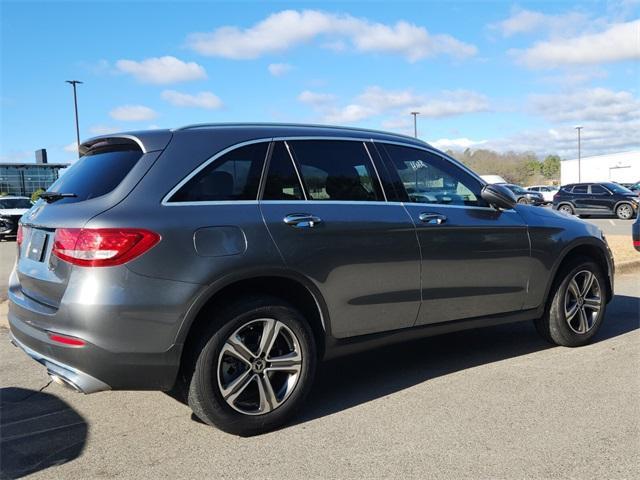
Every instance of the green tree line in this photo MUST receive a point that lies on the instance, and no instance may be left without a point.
(522, 168)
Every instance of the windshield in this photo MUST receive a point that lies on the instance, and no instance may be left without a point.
(20, 203)
(516, 188)
(614, 187)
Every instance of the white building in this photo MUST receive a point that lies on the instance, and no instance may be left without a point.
(616, 167)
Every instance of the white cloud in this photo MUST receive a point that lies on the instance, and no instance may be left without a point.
(456, 143)
(527, 21)
(596, 104)
(375, 101)
(289, 28)
(133, 113)
(72, 147)
(618, 42)
(199, 100)
(279, 69)
(103, 129)
(315, 98)
(162, 70)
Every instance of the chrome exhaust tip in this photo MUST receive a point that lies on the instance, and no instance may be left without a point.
(64, 382)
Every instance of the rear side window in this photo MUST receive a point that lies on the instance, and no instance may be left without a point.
(282, 182)
(233, 176)
(96, 173)
(336, 170)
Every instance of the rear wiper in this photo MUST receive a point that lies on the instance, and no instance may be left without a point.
(51, 197)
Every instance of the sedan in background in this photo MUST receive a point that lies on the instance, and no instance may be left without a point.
(11, 209)
(525, 196)
(606, 198)
(547, 191)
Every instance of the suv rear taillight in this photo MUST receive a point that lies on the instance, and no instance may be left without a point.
(102, 247)
(19, 235)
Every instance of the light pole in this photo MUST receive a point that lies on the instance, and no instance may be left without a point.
(415, 123)
(75, 105)
(578, 128)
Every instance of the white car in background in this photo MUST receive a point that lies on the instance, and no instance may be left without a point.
(547, 191)
(11, 209)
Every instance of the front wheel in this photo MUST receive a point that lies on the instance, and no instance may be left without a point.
(578, 305)
(566, 209)
(624, 211)
(255, 370)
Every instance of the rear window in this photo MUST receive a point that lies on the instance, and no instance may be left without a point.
(96, 173)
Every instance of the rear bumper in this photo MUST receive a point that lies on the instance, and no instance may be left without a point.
(72, 377)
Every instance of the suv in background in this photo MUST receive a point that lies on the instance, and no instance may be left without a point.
(604, 198)
(221, 263)
(547, 191)
(525, 196)
(11, 209)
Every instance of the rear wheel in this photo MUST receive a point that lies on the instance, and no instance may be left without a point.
(578, 305)
(522, 201)
(255, 370)
(566, 208)
(624, 211)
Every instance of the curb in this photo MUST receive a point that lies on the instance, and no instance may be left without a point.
(628, 266)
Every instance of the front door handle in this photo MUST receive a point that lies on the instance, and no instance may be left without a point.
(302, 220)
(432, 218)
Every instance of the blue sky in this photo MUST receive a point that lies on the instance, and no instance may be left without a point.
(499, 75)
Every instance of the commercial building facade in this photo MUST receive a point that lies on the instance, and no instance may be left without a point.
(621, 167)
(25, 178)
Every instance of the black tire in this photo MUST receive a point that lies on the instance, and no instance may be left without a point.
(553, 325)
(567, 208)
(624, 211)
(204, 393)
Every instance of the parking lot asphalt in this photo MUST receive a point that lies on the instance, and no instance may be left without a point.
(492, 403)
(612, 226)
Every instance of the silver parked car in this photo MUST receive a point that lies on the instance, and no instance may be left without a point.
(220, 263)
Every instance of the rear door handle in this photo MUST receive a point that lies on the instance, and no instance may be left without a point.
(302, 220)
(432, 218)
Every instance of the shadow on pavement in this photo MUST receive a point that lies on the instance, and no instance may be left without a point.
(350, 381)
(37, 431)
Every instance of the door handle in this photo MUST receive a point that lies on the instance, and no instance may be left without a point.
(432, 218)
(302, 220)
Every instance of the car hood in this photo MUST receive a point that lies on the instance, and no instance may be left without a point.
(13, 211)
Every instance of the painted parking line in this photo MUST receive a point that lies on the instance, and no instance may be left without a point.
(612, 223)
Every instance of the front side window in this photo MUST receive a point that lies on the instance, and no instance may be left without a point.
(336, 170)
(233, 176)
(598, 190)
(429, 178)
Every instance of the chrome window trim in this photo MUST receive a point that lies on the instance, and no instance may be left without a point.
(165, 200)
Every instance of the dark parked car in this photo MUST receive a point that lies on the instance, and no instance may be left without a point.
(220, 263)
(597, 199)
(635, 188)
(11, 209)
(636, 233)
(525, 196)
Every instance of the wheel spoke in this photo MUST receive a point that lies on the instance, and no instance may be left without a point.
(584, 323)
(571, 313)
(264, 405)
(292, 362)
(236, 348)
(268, 390)
(574, 289)
(588, 282)
(592, 303)
(269, 332)
(236, 387)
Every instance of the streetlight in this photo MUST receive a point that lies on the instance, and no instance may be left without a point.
(578, 128)
(75, 104)
(415, 123)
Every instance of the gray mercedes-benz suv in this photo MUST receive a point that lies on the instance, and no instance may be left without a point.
(222, 262)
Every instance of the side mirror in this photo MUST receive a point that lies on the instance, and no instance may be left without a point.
(498, 196)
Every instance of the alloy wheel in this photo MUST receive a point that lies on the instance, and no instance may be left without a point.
(566, 209)
(259, 366)
(624, 211)
(582, 302)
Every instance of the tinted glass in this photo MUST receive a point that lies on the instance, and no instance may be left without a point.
(614, 187)
(282, 182)
(580, 189)
(15, 203)
(516, 188)
(598, 190)
(429, 178)
(96, 174)
(233, 176)
(336, 170)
